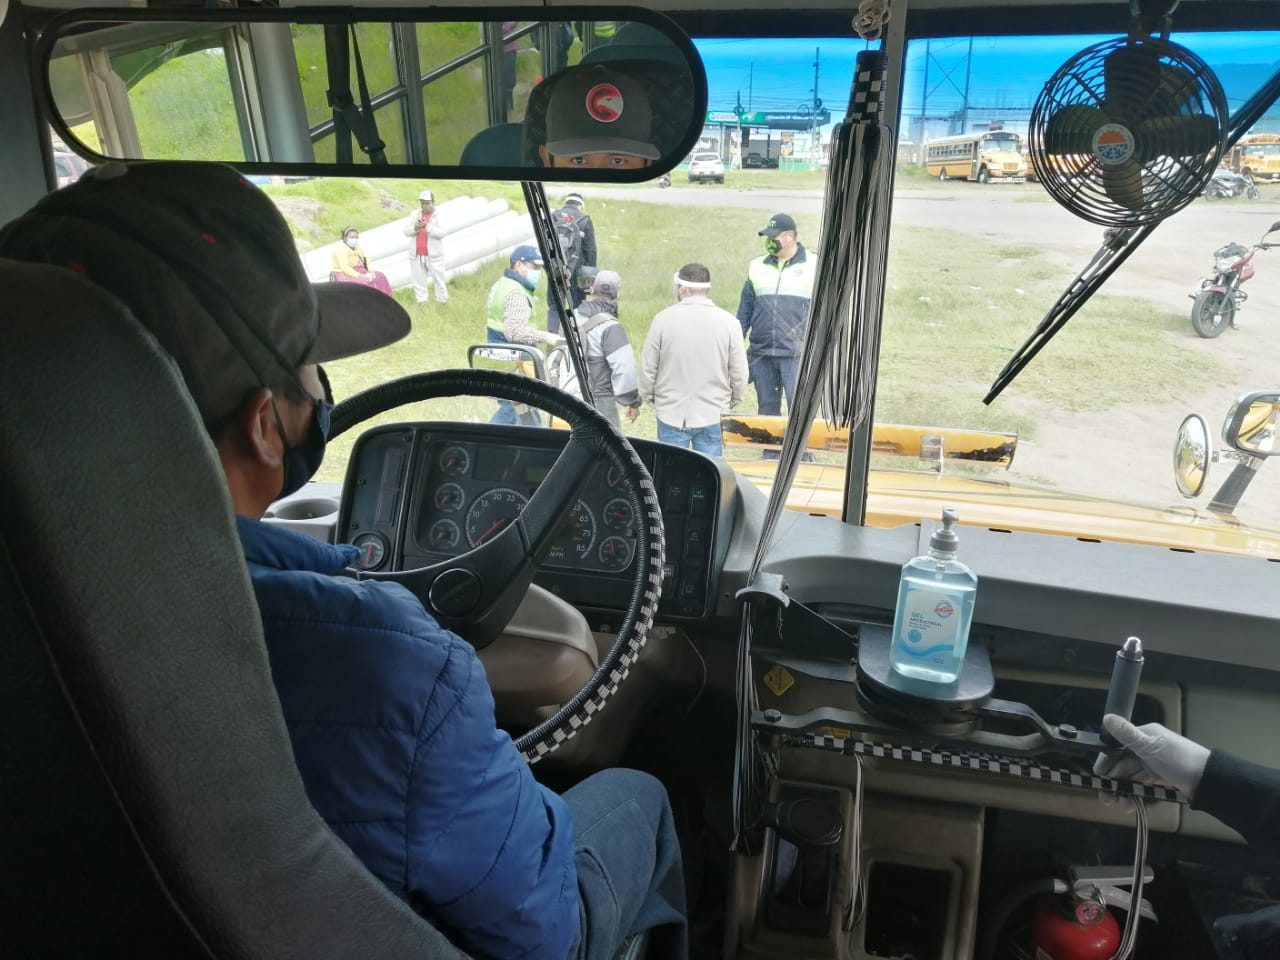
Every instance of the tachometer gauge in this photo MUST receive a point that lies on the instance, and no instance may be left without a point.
(491, 513)
(454, 461)
(444, 535)
(577, 534)
(373, 550)
(449, 498)
(617, 514)
(614, 553)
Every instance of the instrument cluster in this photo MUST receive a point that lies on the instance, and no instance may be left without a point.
(417, 494)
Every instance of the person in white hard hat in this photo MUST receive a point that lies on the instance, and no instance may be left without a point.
(426, 251)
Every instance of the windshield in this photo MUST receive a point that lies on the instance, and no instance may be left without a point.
(999, 143)
(973, 267)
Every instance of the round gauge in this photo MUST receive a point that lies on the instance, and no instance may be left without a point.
(613, 477)
(617, 514)
(577, 534)
(449, 498)
(491, 513)
(444, 535)
(373, 550)
(454, 461)
(614, 553)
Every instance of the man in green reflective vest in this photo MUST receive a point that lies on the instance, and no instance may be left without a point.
(774, 312)
(509, 309)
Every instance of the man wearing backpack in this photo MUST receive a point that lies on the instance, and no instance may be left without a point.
(577, 236)
(611, 363)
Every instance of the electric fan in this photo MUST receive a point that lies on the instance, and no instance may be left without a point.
(1128, 132)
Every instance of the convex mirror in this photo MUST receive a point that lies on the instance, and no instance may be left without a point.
(387, 91)
(1252, 423)
(1192, 454)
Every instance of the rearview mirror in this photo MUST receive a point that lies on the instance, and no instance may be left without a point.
(1252, 422)
(1192, 454)
(430, 92)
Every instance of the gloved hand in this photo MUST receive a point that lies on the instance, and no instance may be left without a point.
(1260, 926)
(1152, 753)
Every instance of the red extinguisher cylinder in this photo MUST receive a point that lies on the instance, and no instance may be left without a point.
(1062, 930)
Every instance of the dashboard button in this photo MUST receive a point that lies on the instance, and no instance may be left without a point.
(677, 494)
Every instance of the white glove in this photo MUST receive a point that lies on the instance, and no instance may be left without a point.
(1152, 754)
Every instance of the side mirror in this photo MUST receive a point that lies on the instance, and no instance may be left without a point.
(509, 358)
(1252, 422)
(1192, 454)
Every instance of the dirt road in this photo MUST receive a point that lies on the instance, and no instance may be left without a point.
(1126, 451)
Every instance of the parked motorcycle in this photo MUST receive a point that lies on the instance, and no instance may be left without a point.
(1219, 297)
(1225, 184)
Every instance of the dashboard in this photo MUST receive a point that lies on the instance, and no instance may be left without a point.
(420, 493)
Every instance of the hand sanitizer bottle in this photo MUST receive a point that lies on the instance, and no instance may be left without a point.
(934, 611)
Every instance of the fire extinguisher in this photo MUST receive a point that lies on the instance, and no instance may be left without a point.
(1073, 919)
(1073, 928)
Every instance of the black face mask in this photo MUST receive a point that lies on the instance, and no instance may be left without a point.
(302, 462)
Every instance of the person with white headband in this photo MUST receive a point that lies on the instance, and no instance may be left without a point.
(693, 367)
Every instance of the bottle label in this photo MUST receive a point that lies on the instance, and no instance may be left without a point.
(930, 621)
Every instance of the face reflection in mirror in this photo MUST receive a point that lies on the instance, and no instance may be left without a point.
(597, 118)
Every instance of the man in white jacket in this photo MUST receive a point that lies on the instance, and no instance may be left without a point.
(426, 251)
(693, 367)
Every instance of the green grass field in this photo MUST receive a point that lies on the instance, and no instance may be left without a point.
(956, 309)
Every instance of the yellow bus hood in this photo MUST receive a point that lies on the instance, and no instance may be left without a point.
(896, 497)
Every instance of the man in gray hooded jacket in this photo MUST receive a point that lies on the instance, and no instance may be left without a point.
(610, 360)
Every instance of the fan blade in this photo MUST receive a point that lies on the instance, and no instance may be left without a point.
(1130, 73)
(1190, 135)
(1123, 184)
(1071, 129)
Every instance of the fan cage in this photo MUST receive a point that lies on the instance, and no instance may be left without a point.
(1158, 184)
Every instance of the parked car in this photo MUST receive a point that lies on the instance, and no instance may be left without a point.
(68, 167)
(753, 161)
(706, 166)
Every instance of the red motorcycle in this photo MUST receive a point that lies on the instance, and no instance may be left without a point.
(1220, 296)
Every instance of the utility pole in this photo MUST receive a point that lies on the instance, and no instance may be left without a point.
(813, 120)
(751, 76)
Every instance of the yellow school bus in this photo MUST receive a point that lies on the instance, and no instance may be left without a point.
(991, 156)
(1258, 155)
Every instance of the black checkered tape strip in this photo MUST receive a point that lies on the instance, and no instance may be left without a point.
(868, 88)
(1018, 767)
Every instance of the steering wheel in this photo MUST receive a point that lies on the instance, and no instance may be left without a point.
(477, 593)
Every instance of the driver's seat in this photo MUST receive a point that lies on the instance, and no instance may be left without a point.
(149, 801)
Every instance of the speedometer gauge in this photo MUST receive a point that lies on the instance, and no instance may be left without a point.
(491, 513)
(576, 535)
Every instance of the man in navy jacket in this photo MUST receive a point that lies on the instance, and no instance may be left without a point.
(391, 716)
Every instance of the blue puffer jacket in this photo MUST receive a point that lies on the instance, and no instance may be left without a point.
(392, 724)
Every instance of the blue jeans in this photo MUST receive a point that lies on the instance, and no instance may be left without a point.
(630, 875)
(702, 439)
(773, 376)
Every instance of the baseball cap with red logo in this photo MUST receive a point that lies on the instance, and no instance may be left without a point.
(597, 109)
